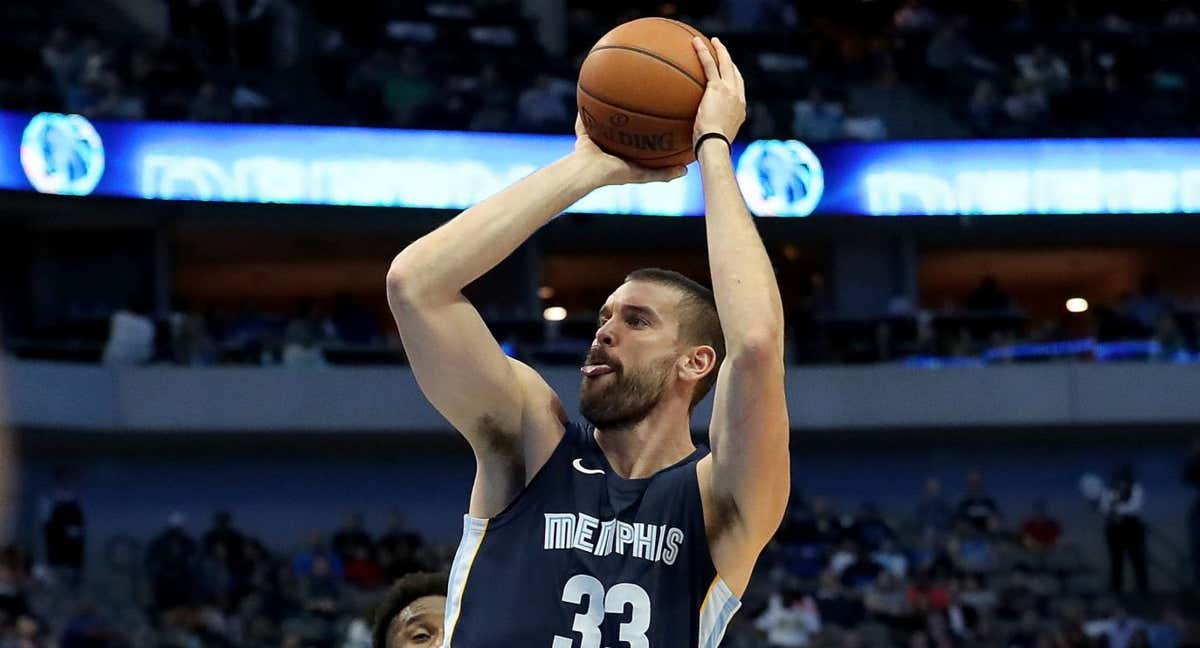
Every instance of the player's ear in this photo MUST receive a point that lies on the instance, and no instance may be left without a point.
(698, 363)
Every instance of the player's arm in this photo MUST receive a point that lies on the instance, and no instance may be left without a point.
(457, 362)
(750, 476)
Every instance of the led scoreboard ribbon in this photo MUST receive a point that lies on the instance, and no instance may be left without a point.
(67, 154)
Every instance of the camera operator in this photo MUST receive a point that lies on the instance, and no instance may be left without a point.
(1121, 504)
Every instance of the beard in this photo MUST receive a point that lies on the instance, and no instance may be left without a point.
(627, 396)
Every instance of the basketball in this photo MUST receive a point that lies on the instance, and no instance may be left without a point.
(639, 89)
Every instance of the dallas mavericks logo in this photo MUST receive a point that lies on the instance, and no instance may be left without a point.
(62, 154)
(780, 178)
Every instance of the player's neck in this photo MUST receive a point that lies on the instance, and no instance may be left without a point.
(661, 439)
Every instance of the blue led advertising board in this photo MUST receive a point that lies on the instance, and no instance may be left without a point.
(67, 154)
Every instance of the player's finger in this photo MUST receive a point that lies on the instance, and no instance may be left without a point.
(724, 63)
(740, 81)
(711, 72)
(579, 130)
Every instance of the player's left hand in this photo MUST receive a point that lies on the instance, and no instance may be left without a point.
(614, 170)
(723, 107)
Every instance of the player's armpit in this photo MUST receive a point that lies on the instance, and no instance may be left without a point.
(749, 435)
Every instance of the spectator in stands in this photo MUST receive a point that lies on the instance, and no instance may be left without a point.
(988, 297)
(211, 104)
(1044, 69)
(321, 599)
(915, 16)
(64, 531)
(870, 529)
(314, 549)
(985, 108)
(13, 601)
(927, 595)
(300, 347)
(1121, 504)
(544, 105)
(408, 89)
(88, 627)
(933, 513)
(352, 535)
(1182, 16)
(362, 571)
(170, 564)
(495, 99)
(838, 605)
(194, 344)
(862, 570)
(399, 549)
(790, 620)
(224, 534)
(977, 506)
(887, 599)
(817, 119)
(412, 613)
(1040, 531)
(971, 549)
(27, 632)
(130, 335)
(114, 99)
(1170, 339)
(1191, 476)
(858, 125)
(1118, 629)
(1148, 306)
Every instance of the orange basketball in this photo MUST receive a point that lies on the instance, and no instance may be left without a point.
(639, 89)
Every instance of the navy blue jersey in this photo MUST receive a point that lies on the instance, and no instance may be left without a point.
(583, 558)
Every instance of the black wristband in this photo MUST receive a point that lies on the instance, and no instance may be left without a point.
(712, 135)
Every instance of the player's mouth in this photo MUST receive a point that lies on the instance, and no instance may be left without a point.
(595, 370)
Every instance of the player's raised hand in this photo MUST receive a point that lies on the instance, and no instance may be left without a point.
(614, 170)
(723, 107)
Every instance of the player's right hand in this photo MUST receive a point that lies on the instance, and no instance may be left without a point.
(614, 170)
(723, 107)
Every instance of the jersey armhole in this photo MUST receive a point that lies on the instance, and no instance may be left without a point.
(519, 502)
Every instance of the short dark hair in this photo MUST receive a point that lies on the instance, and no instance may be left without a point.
(401, 595)
(698, 321)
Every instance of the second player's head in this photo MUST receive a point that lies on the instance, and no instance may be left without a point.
(412, 615)
(658, 339)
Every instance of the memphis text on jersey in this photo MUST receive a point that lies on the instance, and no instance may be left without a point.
(582, 532)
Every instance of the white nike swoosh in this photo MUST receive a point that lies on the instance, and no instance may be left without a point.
(578, 464)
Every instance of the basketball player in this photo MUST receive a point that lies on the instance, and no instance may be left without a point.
(620, 533)
(412, 613)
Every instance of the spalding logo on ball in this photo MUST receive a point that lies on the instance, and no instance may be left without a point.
(62, 154)
(639, 89)
(780, 178)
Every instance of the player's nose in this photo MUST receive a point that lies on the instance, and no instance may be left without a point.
(604, 336)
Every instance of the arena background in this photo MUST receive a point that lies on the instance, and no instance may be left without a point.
(194, 320)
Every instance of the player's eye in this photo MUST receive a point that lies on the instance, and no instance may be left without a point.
(422, 637)
(633, 320)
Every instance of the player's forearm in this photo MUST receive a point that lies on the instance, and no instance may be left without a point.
(444, 261)
(743, 279)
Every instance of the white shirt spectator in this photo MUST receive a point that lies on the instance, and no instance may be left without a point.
(130, 339)
(1119, 630)
(789, 626)
(1110, 502)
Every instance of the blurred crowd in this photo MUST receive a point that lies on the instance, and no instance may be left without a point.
(825, 70)
(944, 572)
(959, 572)
(987, 326)
(219, 588)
